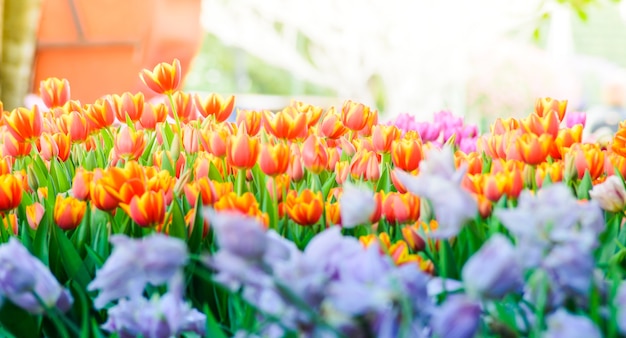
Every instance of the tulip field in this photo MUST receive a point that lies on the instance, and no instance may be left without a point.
(129, 218)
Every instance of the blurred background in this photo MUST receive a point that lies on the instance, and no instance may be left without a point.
(480, 59)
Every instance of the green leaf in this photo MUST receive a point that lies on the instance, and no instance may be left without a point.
(166, 164)
(81, 305)
(17, 321)
(71, 261)
(40, 243)
(177, 228)
(212, 327)
(90, 163)
(195, 239)
(214, 174)
(582, 190)
(329, 184)
(59, 175)
(385, 181)
(99, 260)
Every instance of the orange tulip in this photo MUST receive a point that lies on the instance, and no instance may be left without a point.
(332, 127)
(101, 114)
(147, 210)
(384, 136)
(378, 212)
(242, 151)
(306, 207)
(101, 198)
(287, 124)
(355, 116)
(252, 119)
(213, 139)
(6, 165)
(587, 157)
(365, 165)
(152, 115)
(10, 192)
(216, 106)
(313, 113)
(342, 169)
(13, 147)
(333, 214)
(55, 146)
(406, 154)
(544, 106)
(400, 208)
(129, 144)
(496, 185)
(277, 185)
(295, 170)
(534, 149)
(54, 92)
(75, 125)
(553, 170)
(68, 212)
(314, 154)
(538, 125)
(615, 161)
(274, 158)
(164, 78)
(245, 204)
(34, 214)
(413, 238)
(209, 191)
(473, 161)
(25, 125)
(565, 139)
(81, 183)
(501, 126)
(203, 163)
(190, 138)
(128, 105)
(618, 145)
(184, 107)
(371, 122)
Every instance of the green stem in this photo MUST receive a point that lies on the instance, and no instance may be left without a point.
(57, 318)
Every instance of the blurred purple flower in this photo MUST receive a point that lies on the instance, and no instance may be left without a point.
(357, 204)
(570, 269)
(22, 275)
(620, 304)
(494, 270)
(159, 317)
(154, 259)
(439, 182)
(238, 234)
(573, 118)
(562, 324)
(458, 317)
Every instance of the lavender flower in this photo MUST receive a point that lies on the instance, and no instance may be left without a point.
(22, 276)
(159, 317)
(494, 270)
(561, 324)
(155, 259)
(439, 182)
(240, 235)
(620, 304)
(356, 205)
(458, 317)
(570, 268)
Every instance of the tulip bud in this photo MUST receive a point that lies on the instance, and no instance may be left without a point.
(611, 194)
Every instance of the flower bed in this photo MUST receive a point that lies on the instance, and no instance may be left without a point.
(129, 219)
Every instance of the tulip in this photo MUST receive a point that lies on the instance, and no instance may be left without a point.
(615, 162)
(383, 137)
(586, 157)
(184, 109)
(611, 194)
(10, 192)
(538, 125)
(152, 115)
(331, 126)
(213, 139)
(101, 198)
(355, 116)
(277, 185)
(400, 208)
(473, 161)
(165, 78)
(129, 144)
(190, 139)
(54, 92)
(101, 114)
(147, 210)
(553, 170)
(566, 138)
(313, 113)
(333, 214)
(533, 149)
(295, 170)
(305, 208)
(501, 126)
(428, 131)
(406, 154)
(274, 158)
(365, 165)
(128, 106)
(252, 119)
(34, 214)
(372, 120)
(546, 105)
(216, 106)
(81, 183)
(333, 157)
(287, 124)
(69, 212)
(75, 125)
(342, 169)
(314, 154)
(25, 125)
(190, 222)
(161, 157)
(575, 118)
(242, 150)
(209, 191)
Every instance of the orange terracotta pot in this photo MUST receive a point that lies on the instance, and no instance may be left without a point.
(101, 46)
